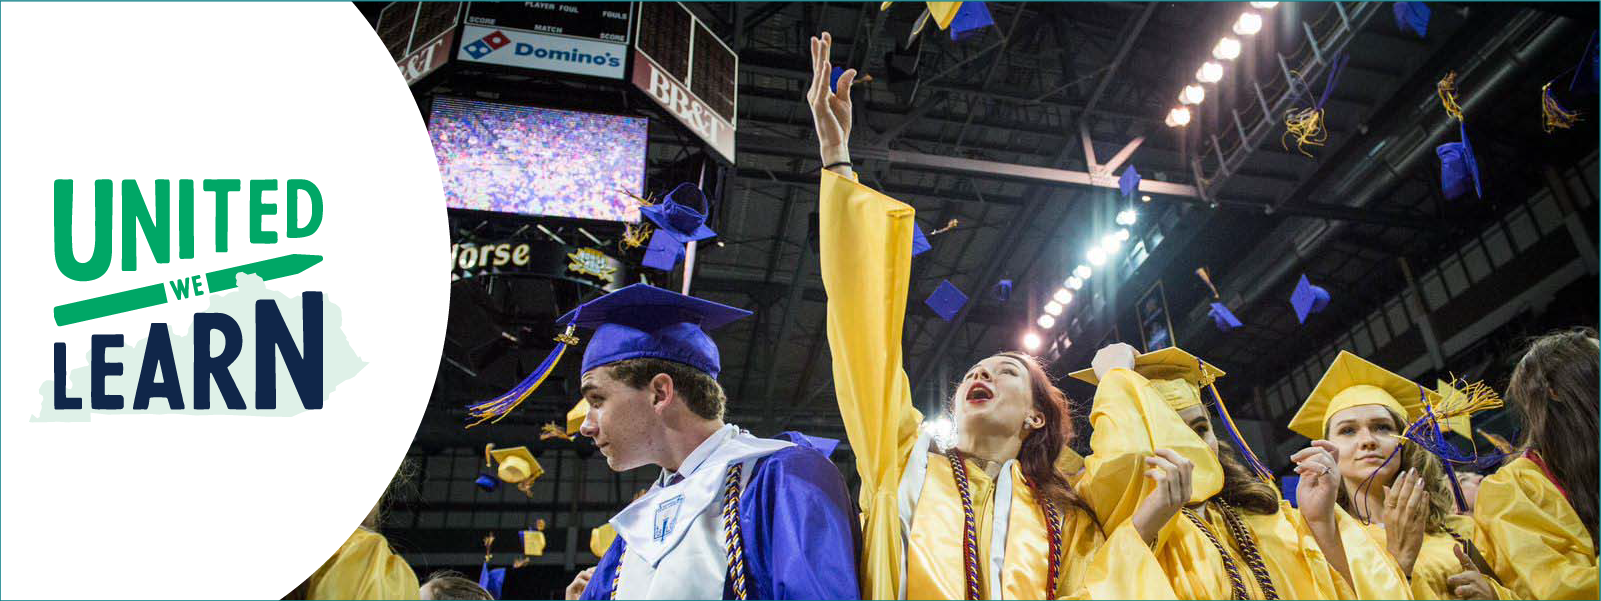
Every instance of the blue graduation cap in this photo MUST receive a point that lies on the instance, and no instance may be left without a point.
(1458, 167)
(920, 243)
(946, 300)
(1588, 71)
(970, 21)
(1412, 16)
(492, 580)
(1287, 486)
(487, 483)
(825, 446)
(1308, 299)
(833, 79)
(635, 321)
(1130, 182)
(680, 218)
(1225, 319)
(1003, 290)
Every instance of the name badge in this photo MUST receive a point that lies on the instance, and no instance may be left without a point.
(666, 518)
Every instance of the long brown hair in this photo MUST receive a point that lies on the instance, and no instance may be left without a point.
(1554, 390)
(1042, 447)
(1441, 500)
(1242, 489)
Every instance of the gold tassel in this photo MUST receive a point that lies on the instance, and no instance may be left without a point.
(1307, 127)
(1500, 443)
(635, 235)
(1205, 277)
(551, 430)
(1447, 90)
(949, 225)
(1555, 116)
(1465, 398)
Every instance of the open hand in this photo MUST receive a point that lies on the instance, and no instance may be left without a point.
(1113, 356)
(831, 110)
(1470, 583)
(1406, 511)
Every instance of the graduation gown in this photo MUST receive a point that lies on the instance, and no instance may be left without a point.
(1531, 537)
(1130, 420)
(1437, 561)
(913, 515)
(364, 568)
(798, 532)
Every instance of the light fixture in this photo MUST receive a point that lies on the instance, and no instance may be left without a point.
(1248, 24)
(1031, 341)
(1210, 72)
(1178, 117)
(1122, 234)
(1264, 5)
(1227, 49)
(1110, 242)
(1082, 272)
(1063, 296)
(1046, 321)
(1128, 216)
(1053, 308)
(1192, 94)
(1096, 256)
(1145, 198)
(1074, 282)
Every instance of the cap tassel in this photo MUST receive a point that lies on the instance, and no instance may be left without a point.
(551, 430)
(1556, 117)
(1258, 469)
(1426, 432)
(1307, 125)
(1447, 91)
(493, 410)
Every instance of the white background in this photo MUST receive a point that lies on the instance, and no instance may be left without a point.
(182, 506)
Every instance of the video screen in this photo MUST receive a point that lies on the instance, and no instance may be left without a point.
(537, 161)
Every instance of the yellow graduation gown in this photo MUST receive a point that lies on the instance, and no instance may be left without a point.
(1531, 537)
(1437, 561)
(1130, 420)
(866, 246)
(364, 568)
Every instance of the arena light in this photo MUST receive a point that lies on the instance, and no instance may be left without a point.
(1248, 24)
(1178, 117)
(1046, 322)
(1145, 198)
(1031, 341)
(1074, 282)
(1110, 243)
(1053, 308)
(1192, 94)
(1122, 234)
(1096, 256)
(1264, 5)
(1210, 72)
(1082, 272)
(1227, 49)
(1127, 217)
(1063, 296)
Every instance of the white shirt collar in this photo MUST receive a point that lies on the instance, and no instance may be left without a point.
(698, 456)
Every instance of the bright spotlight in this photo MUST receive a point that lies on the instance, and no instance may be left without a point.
(1110, 243)
(1227, 49)
(1178, 117)
(1264, 5)
(1046, 321)
(1082, 272)
(1074, 282)
(1145, 198)
(1096, 256)
(1122, 234)
(1192, 94)
(1127, 217)
(1063, 296)
(1248, 24)
(1031, 341)
(1210, 72)
(1053, 308)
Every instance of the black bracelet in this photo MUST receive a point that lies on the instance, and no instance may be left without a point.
(837, 164)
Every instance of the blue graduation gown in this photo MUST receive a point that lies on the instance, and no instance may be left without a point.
(799, 529)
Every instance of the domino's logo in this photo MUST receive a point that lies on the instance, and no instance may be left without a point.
(489, 43)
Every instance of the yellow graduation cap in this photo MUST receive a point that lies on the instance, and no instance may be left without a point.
(534, 540)
(575, 417)
(1174, 373)
(1461, 424)
(517, 465)
(942, 12)
(600, 539)
(1352, 381)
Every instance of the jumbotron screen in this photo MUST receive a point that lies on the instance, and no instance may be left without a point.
(538, 161)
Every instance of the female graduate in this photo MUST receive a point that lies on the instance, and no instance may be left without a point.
(991, 518)
(1536, 516)
(1237, 539)
(1401, 495)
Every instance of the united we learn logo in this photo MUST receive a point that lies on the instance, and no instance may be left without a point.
(228, 362)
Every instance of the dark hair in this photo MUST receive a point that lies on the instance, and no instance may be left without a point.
(1042, 447)
(450, 584)
(1554, 389)
(700, 391)
(1242, 489)
(1442, 502)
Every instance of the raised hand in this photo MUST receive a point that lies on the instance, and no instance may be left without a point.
(575, 589)
(1318, 466)
(1113, 356)
(1171, 472)
(831, 110)
(1405, 517)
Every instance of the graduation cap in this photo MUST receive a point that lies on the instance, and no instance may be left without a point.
(487, 483)
(576, 416)
(600, 539)
(1412, 16)
(1129, 183)
(920, 243)
(946, 300)
(970, 20)
(516, 464)
(1308, 299)
(533, 542)
(1352, 381)
(680, 218)
(1224, 318)
(492, 580)
(635, 321)
(1458, 167)
(1003, 290)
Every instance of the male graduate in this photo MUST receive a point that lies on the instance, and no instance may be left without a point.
(732, 516)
